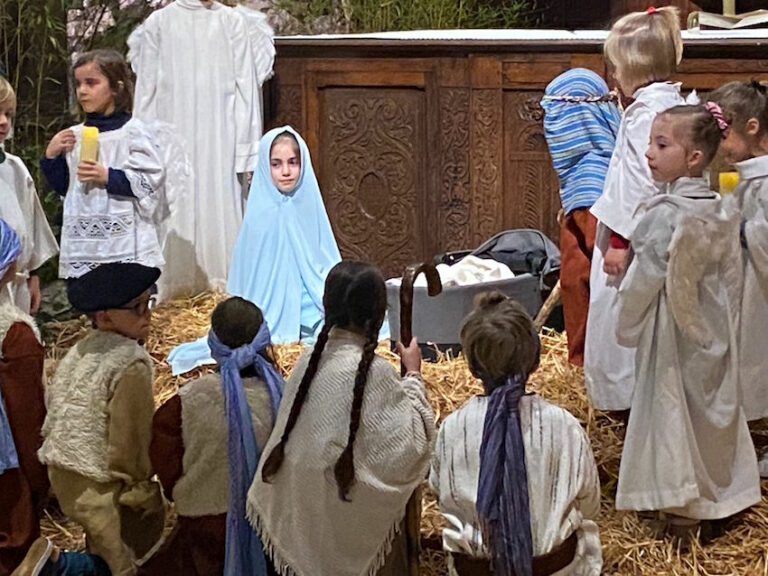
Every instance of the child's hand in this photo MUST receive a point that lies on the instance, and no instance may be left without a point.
(411, 356)
(64, 141)
(89, 171)
(615, 262)
(33, 283)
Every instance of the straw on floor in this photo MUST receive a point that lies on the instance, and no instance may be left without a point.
(631, 545)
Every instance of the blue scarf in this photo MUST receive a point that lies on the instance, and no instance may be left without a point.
(244, 550)
(502, 491)
(10, 248)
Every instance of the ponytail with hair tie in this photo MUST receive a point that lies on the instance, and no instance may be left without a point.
(717, 113)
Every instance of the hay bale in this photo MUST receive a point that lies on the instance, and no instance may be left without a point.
(630, 544)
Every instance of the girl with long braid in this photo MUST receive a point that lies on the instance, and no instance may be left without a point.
(351, 442)
(514, 475)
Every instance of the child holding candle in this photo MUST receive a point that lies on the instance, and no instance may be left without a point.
(109, 170)
(20, 208)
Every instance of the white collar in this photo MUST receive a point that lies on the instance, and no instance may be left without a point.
(756, 167)
(652, 91)
(198, 4)
(690, 188)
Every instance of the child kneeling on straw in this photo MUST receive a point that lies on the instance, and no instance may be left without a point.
(514, 475)
(206, 444)
(23, 480)
(98, 427)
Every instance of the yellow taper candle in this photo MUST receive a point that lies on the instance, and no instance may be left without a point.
(728, 182)
(89, 147)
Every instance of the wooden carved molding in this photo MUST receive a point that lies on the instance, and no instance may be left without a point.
(372, 173)
(531, 186)
(486, 151)
(289, 108)
(455, 194)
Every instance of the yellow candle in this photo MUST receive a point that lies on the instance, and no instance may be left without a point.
(729, 7)
(89, 147)
(728, 182)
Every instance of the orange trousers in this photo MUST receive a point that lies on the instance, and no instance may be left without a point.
(577, 240)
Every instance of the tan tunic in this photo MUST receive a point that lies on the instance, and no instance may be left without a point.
(123, 516)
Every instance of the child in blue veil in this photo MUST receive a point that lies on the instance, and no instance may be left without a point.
(284, 250)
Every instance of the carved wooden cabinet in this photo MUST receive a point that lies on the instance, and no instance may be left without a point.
(422, 147)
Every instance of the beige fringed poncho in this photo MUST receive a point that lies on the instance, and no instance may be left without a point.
(307, 530)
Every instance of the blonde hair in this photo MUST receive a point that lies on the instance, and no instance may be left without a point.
(645, 47)
(7, 95)
(498, 339)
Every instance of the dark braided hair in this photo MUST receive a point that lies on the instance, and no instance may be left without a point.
(355, 297)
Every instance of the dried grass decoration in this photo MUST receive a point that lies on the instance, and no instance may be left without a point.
(630, 544)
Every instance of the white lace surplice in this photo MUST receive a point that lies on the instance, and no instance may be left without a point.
(100, 227)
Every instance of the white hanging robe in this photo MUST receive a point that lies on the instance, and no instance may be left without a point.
(752, 198)
(608, 366)
(687, 449)
(196, 68)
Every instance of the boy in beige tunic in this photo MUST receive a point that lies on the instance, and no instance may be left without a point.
(98, 428)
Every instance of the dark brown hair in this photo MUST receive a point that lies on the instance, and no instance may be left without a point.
(236, 321)
(741, 101)
(498, 340)
(355, 297)
(116, 69)
(700, 129)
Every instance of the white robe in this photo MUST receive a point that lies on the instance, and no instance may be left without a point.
(608, 366)
(687, 449)
(563, 487)
(752, 198)
(20, 207)
(99, 227)
(200, 69)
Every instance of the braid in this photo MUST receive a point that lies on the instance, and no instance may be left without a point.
(344, 470)
(276, 456)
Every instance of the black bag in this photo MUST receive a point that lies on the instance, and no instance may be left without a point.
(523, 250)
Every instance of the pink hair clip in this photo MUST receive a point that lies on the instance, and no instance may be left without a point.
(651, 10)
(717, 113)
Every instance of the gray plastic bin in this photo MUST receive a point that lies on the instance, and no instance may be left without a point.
(438, 320)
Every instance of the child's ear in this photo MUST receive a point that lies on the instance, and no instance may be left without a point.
(753, 127)
(694, 158)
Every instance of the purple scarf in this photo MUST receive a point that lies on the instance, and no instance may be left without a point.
(244, 552)
(502, 492)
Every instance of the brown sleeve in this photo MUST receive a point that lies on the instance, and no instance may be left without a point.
(166, 450)
(21, 379)
(130, 425)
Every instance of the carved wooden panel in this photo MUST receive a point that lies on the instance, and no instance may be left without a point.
(486, 168)
(289, 108)
(531, 189)
(453, 221)
(371, 151)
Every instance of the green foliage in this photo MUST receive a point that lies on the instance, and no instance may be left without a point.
(381, 15)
